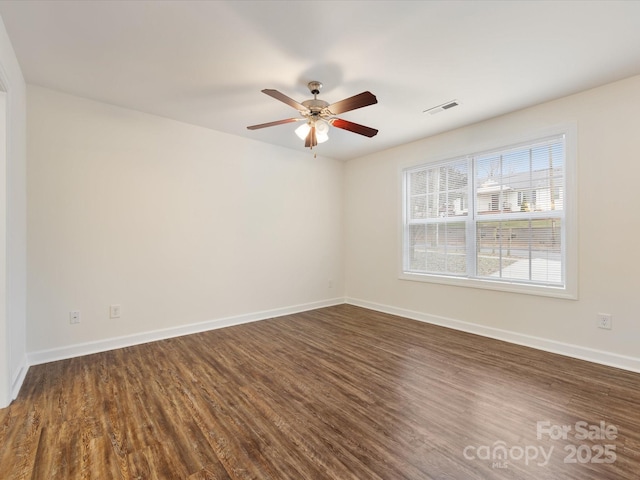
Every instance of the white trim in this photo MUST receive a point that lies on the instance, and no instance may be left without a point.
(5, 323)
(77, 350)
(18, 378)
(623, 362)
(489, 284)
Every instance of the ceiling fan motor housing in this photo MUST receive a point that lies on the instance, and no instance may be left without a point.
(315, 106)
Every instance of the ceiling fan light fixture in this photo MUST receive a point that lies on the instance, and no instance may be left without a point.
(322, 131)
(321, 137)
(322, 126)
(303, 130)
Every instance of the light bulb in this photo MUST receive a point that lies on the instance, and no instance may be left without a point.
(322, 131)
(321, 137)
(322, 127)
(303, 130)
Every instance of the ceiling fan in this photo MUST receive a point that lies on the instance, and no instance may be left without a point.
(318, 115)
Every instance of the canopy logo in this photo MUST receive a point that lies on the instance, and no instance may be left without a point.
(500, 455)
(592, 450)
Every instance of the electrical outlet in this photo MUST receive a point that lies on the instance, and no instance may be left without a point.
(74, 317)
(114, 311)
(605, 321)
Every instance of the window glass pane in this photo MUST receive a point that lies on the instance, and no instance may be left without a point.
(547, 177)
(490, 194)
(433, 180)
(521, 180)
(418, 207)
(418, 181)
(525, 250)
(433, 207)
(446, 187)
(417, 248)
(516, 180)
(438, 248)
(443, 205)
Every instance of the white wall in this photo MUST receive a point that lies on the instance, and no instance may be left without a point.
(608, 122)
(176, 223)
(182, 225)
(12, 224)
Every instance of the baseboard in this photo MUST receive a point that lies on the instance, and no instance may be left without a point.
(18, 377)
(71, 351)
(575, 351)
(569, 350)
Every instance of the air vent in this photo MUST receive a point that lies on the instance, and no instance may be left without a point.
(442, 108)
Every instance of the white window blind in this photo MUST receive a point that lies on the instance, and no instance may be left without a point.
(497, 216)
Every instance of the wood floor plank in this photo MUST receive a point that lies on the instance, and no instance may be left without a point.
(335, 393)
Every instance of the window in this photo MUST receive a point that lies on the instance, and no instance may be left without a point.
(495, 219)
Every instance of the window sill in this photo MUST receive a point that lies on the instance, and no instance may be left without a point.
(496, 285)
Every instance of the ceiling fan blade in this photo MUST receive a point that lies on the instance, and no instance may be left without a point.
(273, 124)
(357, 101)
(354, 127)
(311, 140)
(283, 98)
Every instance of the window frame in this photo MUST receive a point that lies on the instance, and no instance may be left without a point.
(569, 228)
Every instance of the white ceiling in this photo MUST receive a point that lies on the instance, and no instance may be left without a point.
(205, 62)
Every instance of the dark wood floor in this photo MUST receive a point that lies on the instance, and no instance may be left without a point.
(336, 393)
